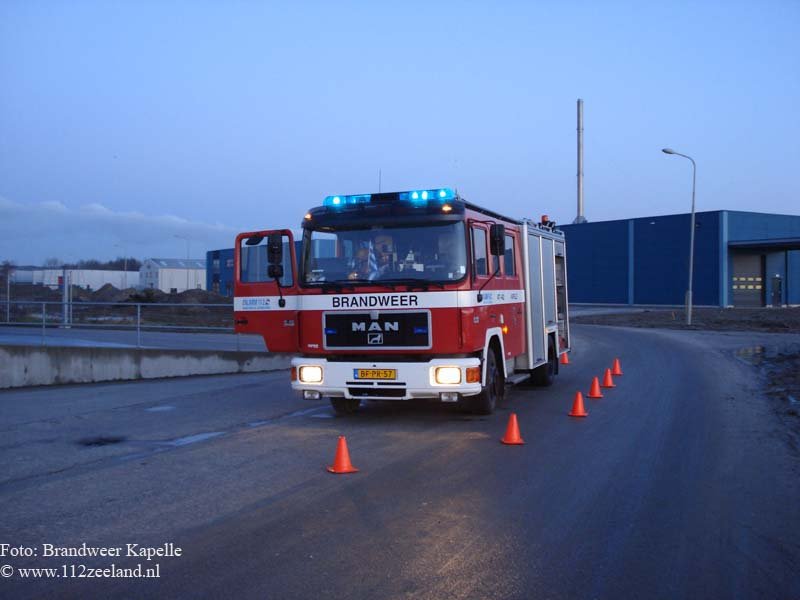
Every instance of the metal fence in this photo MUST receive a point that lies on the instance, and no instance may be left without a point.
(120, 316)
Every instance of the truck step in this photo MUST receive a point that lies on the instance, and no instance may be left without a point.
(517, 378)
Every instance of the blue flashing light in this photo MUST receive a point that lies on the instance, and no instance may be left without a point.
(441, 194)
(418, 197)
(343, 200)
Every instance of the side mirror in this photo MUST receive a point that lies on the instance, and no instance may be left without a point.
(275, 271)
(497, 239)
(275, 249)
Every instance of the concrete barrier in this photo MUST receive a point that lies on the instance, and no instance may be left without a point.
(35, 365)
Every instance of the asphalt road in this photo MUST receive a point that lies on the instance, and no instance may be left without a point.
(681, 483)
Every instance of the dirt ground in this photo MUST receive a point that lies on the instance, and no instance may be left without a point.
(108, 293)
(157, 307)
(776, 320)
(784, 376)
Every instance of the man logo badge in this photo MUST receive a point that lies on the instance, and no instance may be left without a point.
(375, 338)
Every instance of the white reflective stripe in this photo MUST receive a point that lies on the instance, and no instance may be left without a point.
(387, 301)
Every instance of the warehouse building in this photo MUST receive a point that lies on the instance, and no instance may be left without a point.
(741, 259)
(89, 279)
(173, 275)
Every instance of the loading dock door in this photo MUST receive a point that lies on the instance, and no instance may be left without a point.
(747, 281)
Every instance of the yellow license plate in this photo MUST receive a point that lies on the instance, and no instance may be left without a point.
(375, 373)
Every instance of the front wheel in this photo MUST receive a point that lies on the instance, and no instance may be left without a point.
(345, 406)
(485, 402)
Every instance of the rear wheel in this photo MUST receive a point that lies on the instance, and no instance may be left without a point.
(345, 406)
(545, 374)
(485, 402)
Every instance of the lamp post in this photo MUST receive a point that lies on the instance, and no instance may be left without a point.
(691, 235)
(9, 271)
(124, 265)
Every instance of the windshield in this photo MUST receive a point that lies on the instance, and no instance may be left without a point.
(434, 253)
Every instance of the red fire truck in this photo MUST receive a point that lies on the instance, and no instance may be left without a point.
(416, 294)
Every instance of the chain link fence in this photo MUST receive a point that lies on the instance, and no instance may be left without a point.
(131, 316)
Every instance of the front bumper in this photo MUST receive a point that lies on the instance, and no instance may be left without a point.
(414, 379)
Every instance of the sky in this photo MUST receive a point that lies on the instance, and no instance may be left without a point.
(153, 128)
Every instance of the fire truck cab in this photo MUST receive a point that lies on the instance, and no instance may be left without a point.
(402, 295)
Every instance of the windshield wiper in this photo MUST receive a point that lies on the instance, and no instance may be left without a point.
(338, 285)
(330, 286)
(411, 282)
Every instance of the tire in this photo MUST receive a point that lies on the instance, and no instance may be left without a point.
(494, 390)
(545, 375)
(345, 406)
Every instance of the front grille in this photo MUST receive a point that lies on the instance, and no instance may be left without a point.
(377, 330)
(374, 392)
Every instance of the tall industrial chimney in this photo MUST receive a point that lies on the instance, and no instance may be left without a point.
(580, 218)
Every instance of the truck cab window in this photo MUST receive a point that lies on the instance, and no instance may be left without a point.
(254, 264)
(479, 255)
(510, 258)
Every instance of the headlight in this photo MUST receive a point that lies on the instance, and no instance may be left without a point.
(447, 375)
(310, 374)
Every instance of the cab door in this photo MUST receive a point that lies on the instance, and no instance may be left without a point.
(265, 288)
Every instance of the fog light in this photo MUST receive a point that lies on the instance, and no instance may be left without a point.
(310, 374)
(448, 396)
(311, 395)
(447, 375)
(473, 374)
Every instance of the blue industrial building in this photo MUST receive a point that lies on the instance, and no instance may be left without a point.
(741, 259)
(219, 271)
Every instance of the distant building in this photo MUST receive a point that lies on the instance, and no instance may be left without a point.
(173, 275)
(219, 271)
(90, 279)
(741, 259)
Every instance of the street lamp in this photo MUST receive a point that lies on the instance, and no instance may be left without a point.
(691, 235)
(9, 272)
(124, 265)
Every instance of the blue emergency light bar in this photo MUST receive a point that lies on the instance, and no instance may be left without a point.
(346, 200)
(413, 196)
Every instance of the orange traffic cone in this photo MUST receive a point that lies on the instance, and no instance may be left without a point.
(608, 382)
(616, 370)
(512, 436)
(564, 360)
(341, 463)
(577, 407)
(595, 391)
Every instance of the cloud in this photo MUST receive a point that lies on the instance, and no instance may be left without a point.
(30, 233)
